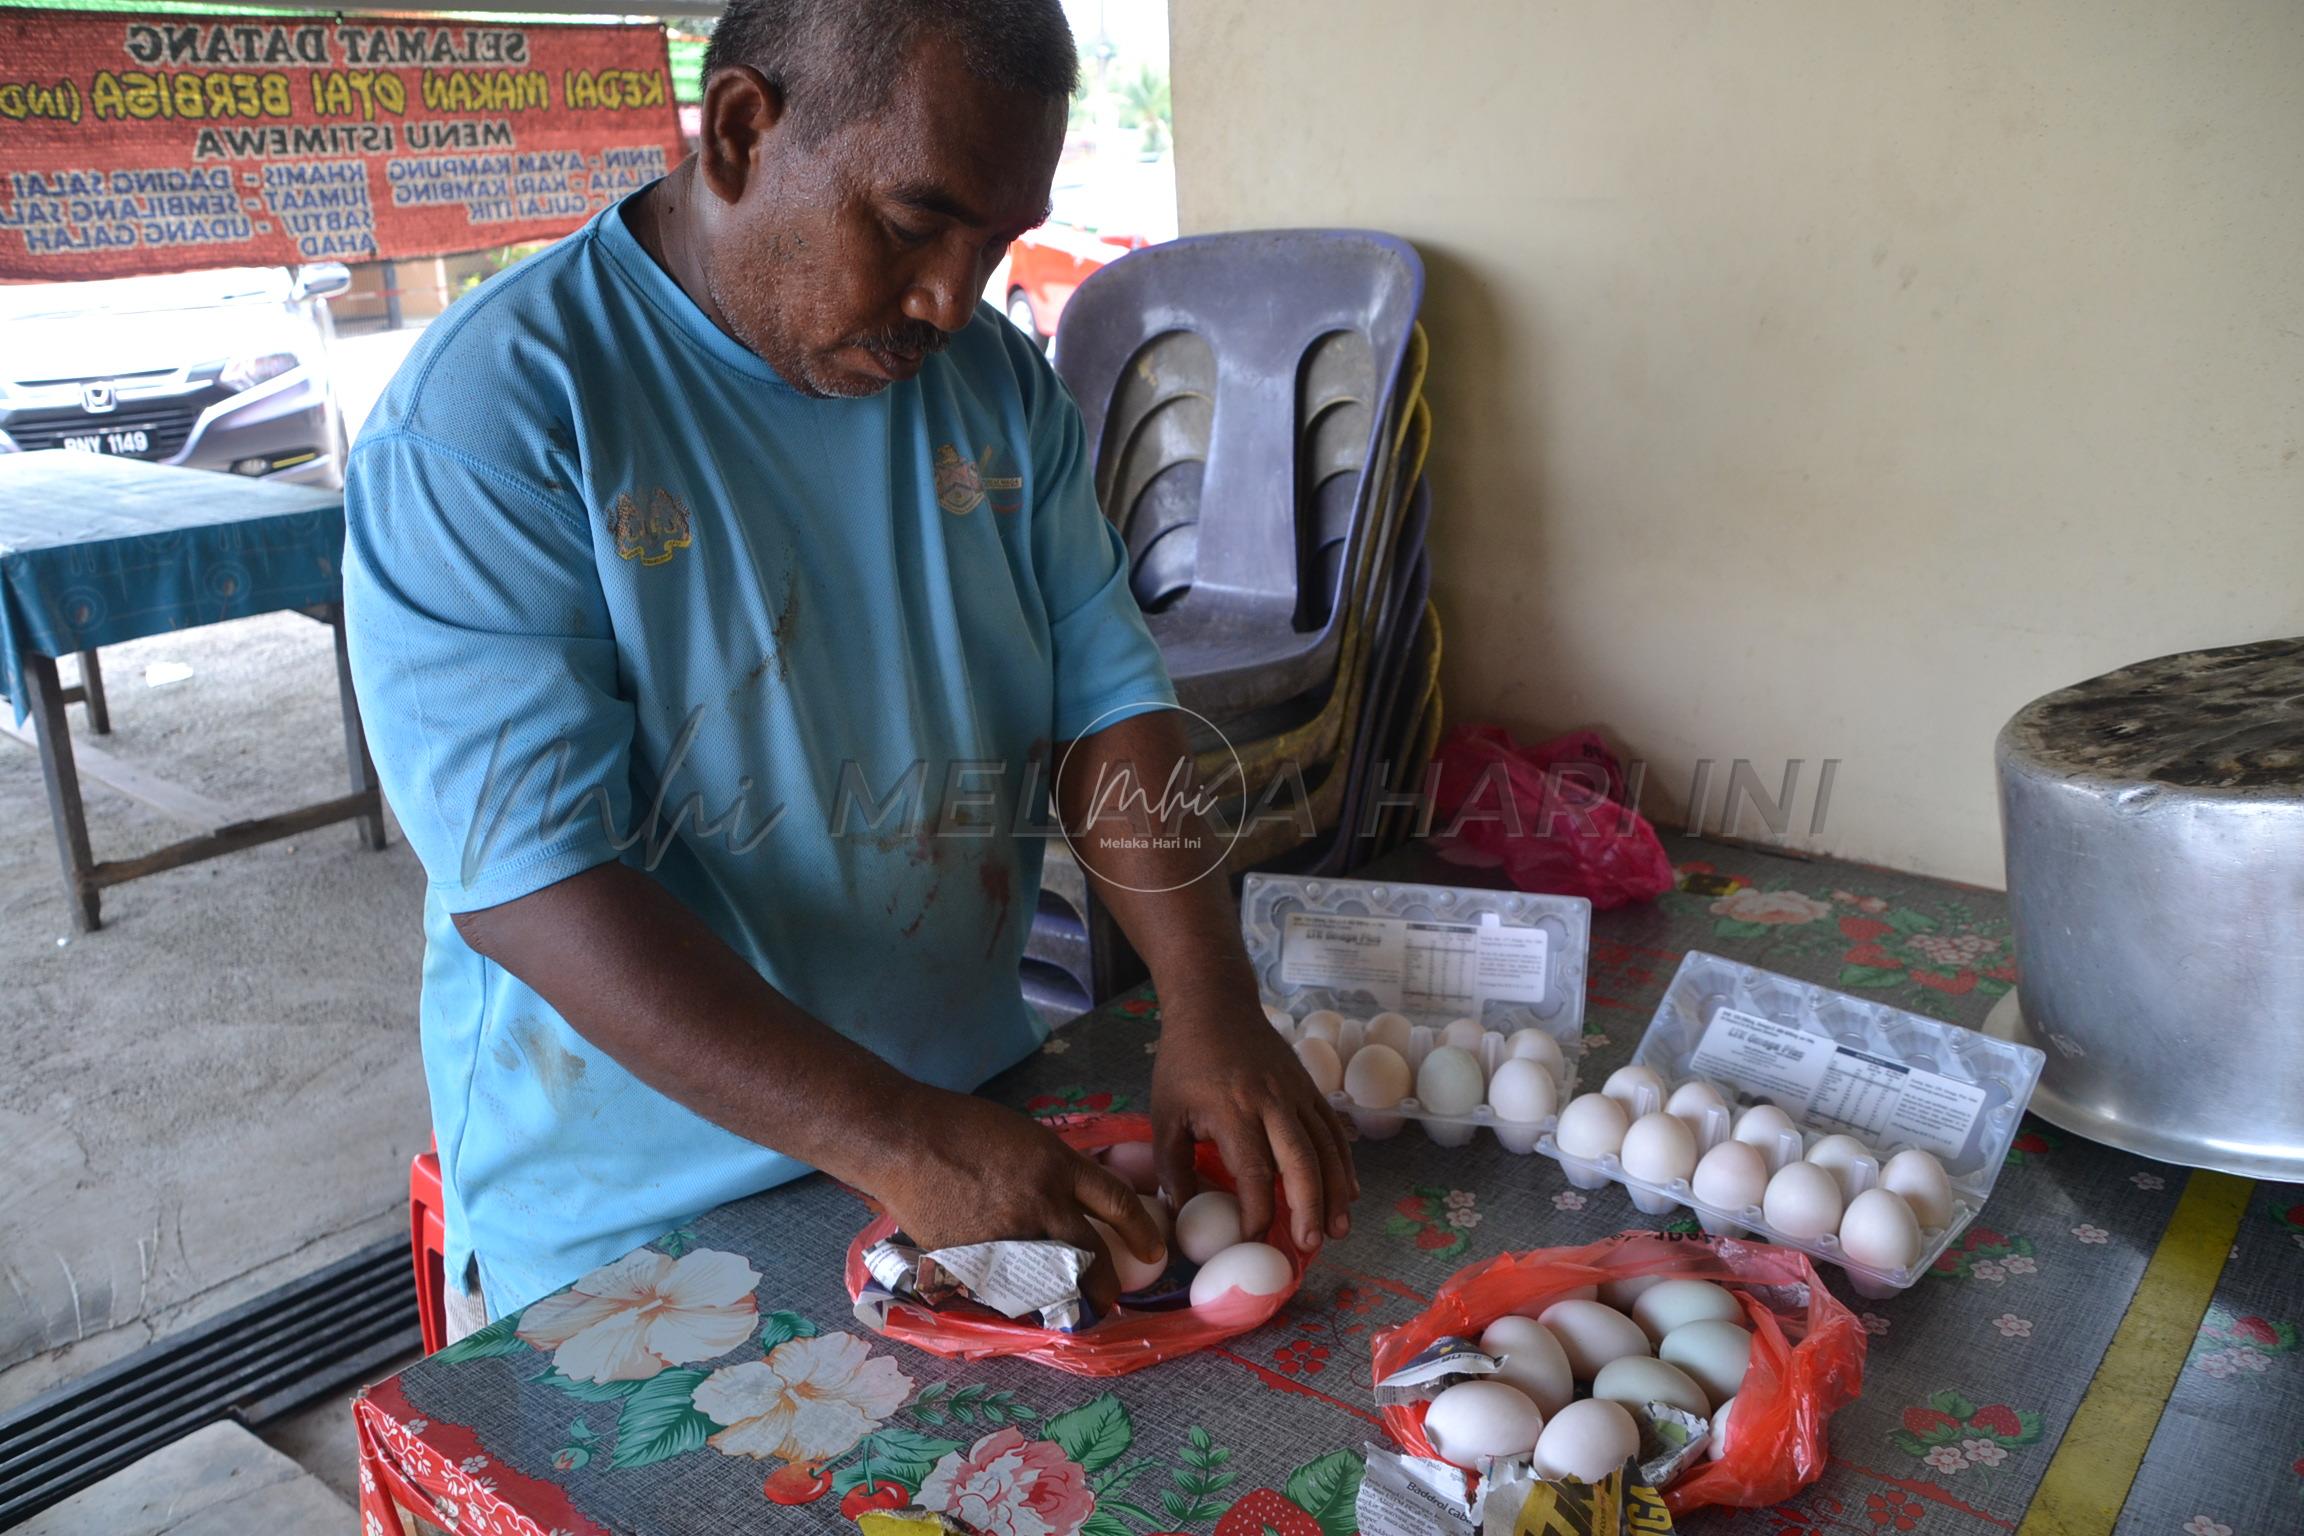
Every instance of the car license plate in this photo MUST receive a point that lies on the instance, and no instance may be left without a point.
(132, 440)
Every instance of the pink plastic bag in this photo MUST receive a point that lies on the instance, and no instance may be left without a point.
(1807, 1355)
(1123, 1342)
(1556, 817)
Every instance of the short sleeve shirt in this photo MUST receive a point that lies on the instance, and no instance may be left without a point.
(618, 592)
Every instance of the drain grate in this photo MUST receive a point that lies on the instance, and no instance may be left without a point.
(327, 1331)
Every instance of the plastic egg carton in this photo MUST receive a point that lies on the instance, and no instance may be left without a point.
(1834, 1064)
(1434, 953)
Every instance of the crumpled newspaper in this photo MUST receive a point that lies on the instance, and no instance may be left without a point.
(1016, 1278)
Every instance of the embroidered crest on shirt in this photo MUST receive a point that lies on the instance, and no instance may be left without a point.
(959, 483)
(654, 536)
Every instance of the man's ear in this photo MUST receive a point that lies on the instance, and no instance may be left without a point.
(740, 110)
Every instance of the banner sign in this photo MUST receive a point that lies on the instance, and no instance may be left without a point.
(151, 143)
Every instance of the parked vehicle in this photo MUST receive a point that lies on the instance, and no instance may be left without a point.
(223, 370)
(1089, 224)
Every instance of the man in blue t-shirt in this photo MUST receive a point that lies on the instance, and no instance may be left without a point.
(726, 585)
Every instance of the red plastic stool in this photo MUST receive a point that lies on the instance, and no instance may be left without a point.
(428, 1248)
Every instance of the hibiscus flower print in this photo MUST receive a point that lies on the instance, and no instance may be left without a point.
(2201, 1525)
(1006, 1485)
(631, 1319)
(1946, 1458)
(810, 1400)
(2013, 1327)
(2091, 1234)
(1892, 1510)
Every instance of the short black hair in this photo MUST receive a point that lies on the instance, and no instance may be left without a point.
(836, 61)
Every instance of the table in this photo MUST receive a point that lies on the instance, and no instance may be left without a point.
(1974, 1374)
(96, 550)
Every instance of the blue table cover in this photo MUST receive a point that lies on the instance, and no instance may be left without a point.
(96, 550)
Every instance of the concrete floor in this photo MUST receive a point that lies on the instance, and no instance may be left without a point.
(219, 1090)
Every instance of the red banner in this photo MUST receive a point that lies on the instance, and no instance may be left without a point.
(139, 143)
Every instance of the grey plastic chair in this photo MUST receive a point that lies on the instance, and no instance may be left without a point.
(1240, 392)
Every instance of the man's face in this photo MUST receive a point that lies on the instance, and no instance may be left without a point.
(845, 263)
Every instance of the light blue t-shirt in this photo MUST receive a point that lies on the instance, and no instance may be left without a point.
(615, 590)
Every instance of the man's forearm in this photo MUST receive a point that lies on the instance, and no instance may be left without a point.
(639, 975)
(1168, 892)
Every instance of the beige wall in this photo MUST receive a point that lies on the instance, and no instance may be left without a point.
(1813, 379)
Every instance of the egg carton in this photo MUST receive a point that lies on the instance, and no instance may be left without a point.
(1510, 959)
(1836, 1065)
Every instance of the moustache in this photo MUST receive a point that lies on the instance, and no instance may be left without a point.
(913, 339)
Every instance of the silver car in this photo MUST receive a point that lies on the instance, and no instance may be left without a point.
(223, 370)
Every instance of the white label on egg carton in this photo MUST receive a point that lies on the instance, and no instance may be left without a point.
(1875, 1098)
(1416, 966)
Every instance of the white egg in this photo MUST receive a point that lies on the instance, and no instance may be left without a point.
(1636, 1379)
(1712, 1352)
(1532, 1360)
(1880, 1230)
(1762, 1124)
(1537, 1046)
(1629, 1086)
(1676, 1302)
(1449, 1082)
(1719, 1446)
(1586, 1441)
(1135, 1273)
(1620, 1294)
(1592, 1126)
(1256, 1268)
(1320, 1063)
(1693, 1101)
(1522, 1091)
(1593, 1335)
(1393, 1029)
(1377, 1077)
(1135, 1162)
(1839, 1155)
(1731, 1177)
(1474, 1419)
(1464, 1034)
(1659, 1148)
(1325, 1023)
(1279, 1018)
(1208, 1224)
(1803, 1201)
(1920, 1179)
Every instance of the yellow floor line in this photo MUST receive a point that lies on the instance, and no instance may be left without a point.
(2096, 1461)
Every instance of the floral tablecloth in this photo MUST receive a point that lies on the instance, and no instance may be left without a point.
(763, 1404)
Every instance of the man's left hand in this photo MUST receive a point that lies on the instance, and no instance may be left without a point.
(1226, 1075)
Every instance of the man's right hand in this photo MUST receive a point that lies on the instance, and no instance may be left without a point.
(973, 1172)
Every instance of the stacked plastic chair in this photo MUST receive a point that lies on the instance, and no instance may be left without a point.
(1255, 405)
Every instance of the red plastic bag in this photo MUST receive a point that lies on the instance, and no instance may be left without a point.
(1557, 817)
(1123, 1342)
(1807, 1362)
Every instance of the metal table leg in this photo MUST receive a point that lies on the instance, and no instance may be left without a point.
(92, 694)
(56, 766)
(363, 767)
